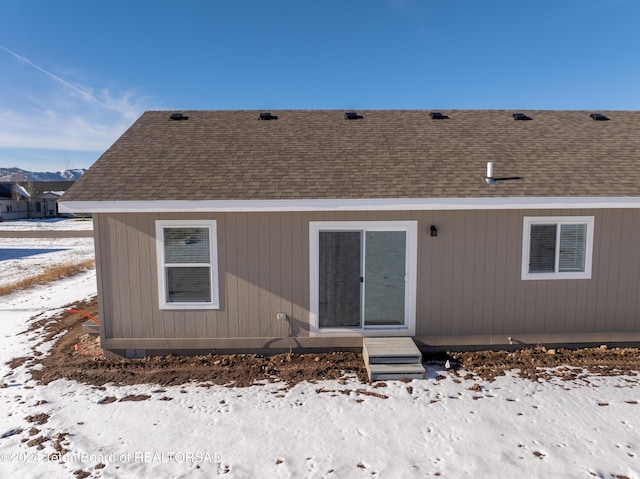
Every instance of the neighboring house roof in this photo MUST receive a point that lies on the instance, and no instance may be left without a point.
(318, 154)
(40, 187)
(50, 195)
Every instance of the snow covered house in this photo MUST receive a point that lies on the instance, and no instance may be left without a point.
(46, 194)
(251, 231)
(31, 199)
(14, 202)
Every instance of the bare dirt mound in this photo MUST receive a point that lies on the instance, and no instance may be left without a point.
(78, 356)
(85, 362)
(533, 363)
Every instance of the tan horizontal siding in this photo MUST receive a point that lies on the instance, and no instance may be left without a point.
(468, 282)
(256, 256)
(470, 277)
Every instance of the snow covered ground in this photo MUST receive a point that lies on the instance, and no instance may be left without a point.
(511, 427)
(21, 258)
(52, 224)
(24, 257)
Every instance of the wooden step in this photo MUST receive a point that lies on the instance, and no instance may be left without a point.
(390, 351)
(392, 358)
(380, 372)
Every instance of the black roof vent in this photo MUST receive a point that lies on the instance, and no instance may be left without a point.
(521, 116)
(599, 117)
(178, 117)
(436, 115)
(352, 115)
(267, 116)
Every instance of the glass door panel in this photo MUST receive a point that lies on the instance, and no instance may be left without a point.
(384, 278)
(340, 279)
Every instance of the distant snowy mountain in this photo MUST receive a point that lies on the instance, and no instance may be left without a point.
(16, 174)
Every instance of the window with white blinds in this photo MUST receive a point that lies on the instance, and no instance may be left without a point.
(573, 244)
(187, 264)
(557, 247)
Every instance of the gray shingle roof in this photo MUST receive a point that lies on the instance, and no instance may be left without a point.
(222, 155)
(39, 187)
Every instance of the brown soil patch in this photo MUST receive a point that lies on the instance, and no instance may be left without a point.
(60, 442)
(78, 356)
(17, 362)
(38, 419)
(37, 442)
(347, 392)
(570, 363)
(87, 364)
(135, 397)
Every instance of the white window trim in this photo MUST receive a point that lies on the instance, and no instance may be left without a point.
(213, 249)
(526, 243)
(411, 228)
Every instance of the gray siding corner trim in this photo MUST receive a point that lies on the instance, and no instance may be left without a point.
(360, 204)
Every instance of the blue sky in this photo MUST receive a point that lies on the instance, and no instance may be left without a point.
(77, 73)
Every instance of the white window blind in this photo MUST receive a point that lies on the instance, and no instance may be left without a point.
(186, 245)
(573, 243)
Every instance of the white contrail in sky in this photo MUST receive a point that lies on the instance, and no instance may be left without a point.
(56, 78)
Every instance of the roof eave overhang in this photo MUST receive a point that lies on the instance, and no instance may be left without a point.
(360, 204)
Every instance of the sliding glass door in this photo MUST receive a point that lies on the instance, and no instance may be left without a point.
(362, 277)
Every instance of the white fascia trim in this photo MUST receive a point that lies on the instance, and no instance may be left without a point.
(364, 204)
